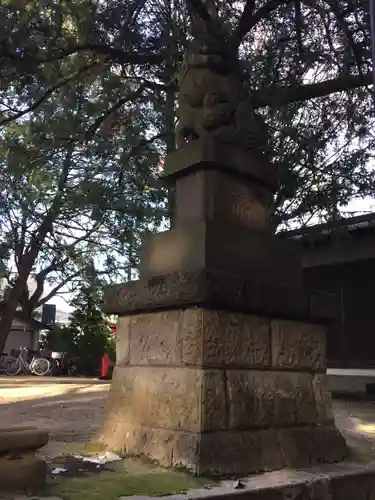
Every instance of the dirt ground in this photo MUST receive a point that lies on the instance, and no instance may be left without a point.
(73, 409)
(70, 409)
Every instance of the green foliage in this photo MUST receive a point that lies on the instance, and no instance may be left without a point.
(88, 195)
(92, 334)
(88, 335)
(87, 106)
(127, 55)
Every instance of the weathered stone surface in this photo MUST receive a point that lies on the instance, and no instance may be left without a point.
(241, 452)
(224, 247)
(305, 446)
(345, 481)
(180, 249)
(210, 195)
(232, 452)
(184, 398)
(266, 399)
(253, 255)
(330, 444)
(212, 290)
(155, 338)
(210, 153)
(296, 344)
(23, 473)
(122, 340)
(221, 338)
(214, 412)
(353, 486)
(323, 397)
(143, 295)
(157, 397)
(192, 336)
(186, 451)
(241, 202)
(222, 392)
(22, 439)
(235, 339)
(272, 456)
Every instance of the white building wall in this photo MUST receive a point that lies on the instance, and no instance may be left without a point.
(21, 335)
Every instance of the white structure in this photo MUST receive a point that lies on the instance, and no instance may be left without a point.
(24, 333)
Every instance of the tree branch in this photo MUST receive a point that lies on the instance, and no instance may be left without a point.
(244, 22)
(57, 288)
(346, 30)
(114, 53)
(47, 93)
(97, 123)
(281, 96)
(298, 21)
(249, 19)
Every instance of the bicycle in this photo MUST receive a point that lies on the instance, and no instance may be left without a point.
(63, 364)
(21, 363)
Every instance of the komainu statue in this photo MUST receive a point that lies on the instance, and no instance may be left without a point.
(213, 100)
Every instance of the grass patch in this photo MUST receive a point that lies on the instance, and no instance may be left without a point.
(87, 449)
(56, 449)
(110, 485)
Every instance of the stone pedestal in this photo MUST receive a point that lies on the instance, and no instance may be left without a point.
(20, 469)
(220, 352)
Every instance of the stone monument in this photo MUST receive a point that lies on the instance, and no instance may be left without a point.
(221, 354)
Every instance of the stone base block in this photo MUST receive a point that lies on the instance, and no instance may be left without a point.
(221, 392)
(22, 473)
(209, 153)
(222, 247)
(22, 439)
(229, 453)
(206, 288)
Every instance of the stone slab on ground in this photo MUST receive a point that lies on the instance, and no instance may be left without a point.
(22, 473)
(344, 481)
(21, 439)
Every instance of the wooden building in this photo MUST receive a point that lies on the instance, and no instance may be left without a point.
(340, 257)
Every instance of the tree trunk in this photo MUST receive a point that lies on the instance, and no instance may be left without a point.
(27, 262)
(28, 259)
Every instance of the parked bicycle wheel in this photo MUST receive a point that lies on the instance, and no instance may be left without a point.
(41, 366)
(13, 367)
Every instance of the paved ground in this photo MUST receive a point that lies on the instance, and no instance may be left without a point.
(72, 409)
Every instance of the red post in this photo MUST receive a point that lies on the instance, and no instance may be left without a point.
(106, 363)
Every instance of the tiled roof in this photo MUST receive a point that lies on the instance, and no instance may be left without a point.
(363, 224)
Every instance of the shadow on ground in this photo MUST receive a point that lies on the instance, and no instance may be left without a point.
(68, 412)
(73, 409)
